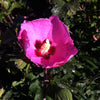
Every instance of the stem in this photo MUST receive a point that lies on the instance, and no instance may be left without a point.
(11, 21)
(45, 82)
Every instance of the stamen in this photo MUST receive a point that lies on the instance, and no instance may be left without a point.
(45, 47)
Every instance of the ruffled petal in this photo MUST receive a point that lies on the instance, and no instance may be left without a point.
(36, 29)
(23, 39)
(63, 53)
(60, 33)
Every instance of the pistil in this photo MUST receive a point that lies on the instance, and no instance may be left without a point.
(45, 47)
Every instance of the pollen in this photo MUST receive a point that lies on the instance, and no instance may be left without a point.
(45, 47)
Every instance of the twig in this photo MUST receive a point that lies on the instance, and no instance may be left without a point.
(45, 82)
(11, 21)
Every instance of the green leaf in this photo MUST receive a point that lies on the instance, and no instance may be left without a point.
(31, 76)
(27, 68)
(48, 98)
(57, 9)
(6, 5)
(13, 6)
(7, 95)
(68, 0)
(20, 63)
(58, 93)
(64, 94)
(34, 86)
(93, 24)
(92, 61)
(1, 92)
(15, 83)
(38, 95)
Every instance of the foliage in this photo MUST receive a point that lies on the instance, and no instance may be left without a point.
(20, 79)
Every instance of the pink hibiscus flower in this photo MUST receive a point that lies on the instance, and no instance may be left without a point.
(47, 42)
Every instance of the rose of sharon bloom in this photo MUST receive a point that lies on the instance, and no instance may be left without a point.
(47, 42)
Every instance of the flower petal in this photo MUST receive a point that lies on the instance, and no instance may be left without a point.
(34, 33)
(23, 39)
(36, 29)
(52, 50)
(30, 53)
(60, 32)
(63, 53)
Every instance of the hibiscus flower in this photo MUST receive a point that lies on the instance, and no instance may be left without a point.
(47, 42)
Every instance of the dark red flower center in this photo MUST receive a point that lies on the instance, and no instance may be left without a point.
(44, 49)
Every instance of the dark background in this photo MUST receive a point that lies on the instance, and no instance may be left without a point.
(20, 79)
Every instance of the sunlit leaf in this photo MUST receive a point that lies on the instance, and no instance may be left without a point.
(6, 5)
(20, 63)
(1, 92)
(13, 6)
(15, 83)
